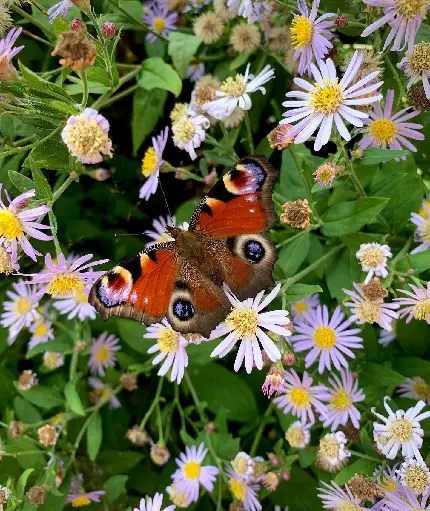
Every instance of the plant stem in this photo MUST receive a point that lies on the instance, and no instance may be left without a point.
(195, 398)
(63, 188)
(120, 95)
(83, 75)
(100, 102)
(47, 30)
(159, 423)
(15, 150)
(402, 91)
(365, 456)
(260, 430)
(298, 235)
(228, 141)
(248, 129)
(37, 38)
(153, 404)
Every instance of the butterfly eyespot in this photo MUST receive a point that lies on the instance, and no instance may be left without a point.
(115, 287)
(183, 309)
(254, 251)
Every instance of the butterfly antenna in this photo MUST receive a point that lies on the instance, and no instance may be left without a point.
(172, 223)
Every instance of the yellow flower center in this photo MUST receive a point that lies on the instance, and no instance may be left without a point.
(87, 137)
(388, 483)
(21, 306)
(368, 311)
(240, 465)
(341, 400)
(326, 99)
(65, 284)
(423, 212)
(383, 130)
(159, 24)
(419, 61)
(244, 322)
(329, 447)
(326, 172)
(102, 354)
(105, 393)
(234, 87)
(5, 262)
(416, 478)
(41, 330)
(401, 430)
(81, 501)
(347, 506)
(168, 340)
(10, 225)
(295, 436)
(372, 256)
(301, 308)
(410, 9)
(302, 31)
(192, 470)
(149, 162)
(178, 498)
(238, 489)
(324, 337)
(420, 389)
(299, 398)
(422, 309)
(184, 130)
(51, 360)
(81, 298)
(179, 110)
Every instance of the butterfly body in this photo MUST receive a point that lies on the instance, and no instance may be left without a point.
(184, 279)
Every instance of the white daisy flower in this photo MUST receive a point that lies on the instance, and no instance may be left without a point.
(400, 430)
(41, 332)
(329, 100)
(171, 347)
(373, 259)
(417, 303)
(298, 435)
(178, 497)
(75, 305)
(234, 92)
(422, 234)
(243, 491)
(153, 504)
(415, 475)
(243, 465)
(189, 132)
(245, 323)
(331, 454)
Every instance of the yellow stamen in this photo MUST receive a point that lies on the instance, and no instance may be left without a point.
(81, 298)
(423, 212)
(295, 436)
(10, 225)
(368, 311)
(301, 31)
(192, 470)
(184, 130)
(168, 340)
(383, 130)
(324, 337)
(149, 162)
(372, 256)
(103, 354)
(422, 309)
(420, 389)
(347, 506)
(81, 501)
(299, 398)
(238, 489)
(51, 360)
(21, 306)
(87, 138)
(159, 24)
(240, 465)
(244, 322)
(411, 9)
(341, 400)
(416, 479)
(301, 308)
(41, 330)
(178, 498)
(326, 99)
(401, 430)
(65, 284)
(329, 447)
(234, 87)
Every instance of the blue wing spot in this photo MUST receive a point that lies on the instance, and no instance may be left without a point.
(254, 251)
(183, 309)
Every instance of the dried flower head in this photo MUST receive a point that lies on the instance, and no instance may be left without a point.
(129, 381)
(7, 264)
(236, 506)
(234, 119)
(296, 213)
(362, 487)
(245, 38)
(417, 97)
(27, 379)
(208, 81)
(15, 429)
(137, 436)
(271, 481)
(76, 50)
(204, 94)
(159, 454)
(4, 495)
(208, 27)
(47, 435)
(351, 432)
(274, 382)
(280, 39)
(374, 290)
(279, 139)
(36, 496)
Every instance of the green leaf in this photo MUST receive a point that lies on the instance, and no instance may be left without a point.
(94, 437)
(40, 180)
(39, 84)
(299, 493)
(413, 337)
(420, 262)
(307, 457)
(115, 486)
(239, 61)
(157, 74)
(53, 154)
(132, 332)
(44, 397)
(299, 291)
(147, 105)
(20, 182)
(366, 442)
(412, 366)
(117, 462)
(51, 346)
(25, 411)
(373, 155)
(182, 48)
(60, 25)
(341, 275)
(361, 466)
(20, 488)
(292, 255)
(215, 383)
(73, 399)
(225, 446)
(386, 377)
(349, 217)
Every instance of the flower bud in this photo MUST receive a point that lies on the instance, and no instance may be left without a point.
(108, 29)
(341, 21)
(77, 24)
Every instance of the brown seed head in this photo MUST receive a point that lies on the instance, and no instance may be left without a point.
(137, 436)
(159, 454)
(296, 213)
(129, 381)
(374, 290)
(236, 506)
(26, 380)
(36, 496)
(204, 95)
(364, 488)
(47, 435)
(76, 50)
(417, 98)
(15, 429)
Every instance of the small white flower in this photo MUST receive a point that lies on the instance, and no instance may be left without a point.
(298, 435)
(189, 132)
(41, 330)
(153, 504)
(245, 323)
(373, 259)
(415, 475)
(422, 221)
(331, 454)
(75, 305)
(243, 465)
(385, 337)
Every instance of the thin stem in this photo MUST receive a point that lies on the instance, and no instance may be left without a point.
(228, 141)
(120, 95)
(393, 69)
(153, 404)
(100, 102)
(364, 456)
(15, 150)
(53, 223)
(83, 75)
(260, 429)
(159, 424)
(73, 365)
(47, 30)
(298, 235)
(58, 193)
(248, 130)
(37, 38)
(195, 397)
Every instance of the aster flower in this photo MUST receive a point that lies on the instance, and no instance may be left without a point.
(84, 498)
(64, 278)
(191, 474)
(153, 504)
(342, 395)
(59, 9)
(8, 264)
(20, 310)
(102, 353)
(52, 360)
(417, 64)
(384, 128)
(87, 136)
(158, 18)
(195, 71)
(245, 323)
(243, 465)
(373, 259)
(27, 379)
(178, 497)
(417, 303)
(415, 388)
(311, 35)
(301, 397)
(41, 332)
(152, 163)
(243, 491)
(298, 435)
(329, 100)
(274, 382)
(189, 132)
(422, 234)
(171, 347)
(333, 497)
(415, 475)
(400, 430)
(406, 500)
(7, 52)
(160, 234)
(301, 308)
(18, 222)
(327, 339)
(327, 173)
(387, 337)
(75, 305)
(103, 392)
(331, 454)
(387, 479)
(404, 18)
(370, 311)
(234, 92)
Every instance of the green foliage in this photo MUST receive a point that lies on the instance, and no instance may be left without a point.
(157, 74)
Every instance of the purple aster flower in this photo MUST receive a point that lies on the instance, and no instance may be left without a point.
(84, 498)
(406, 500)
(327, 339)
(333, 497)
(422, 221)
(18, 222)
(153, 504)
(244, 491)
(385, 337)
(195, 71)
(159, 19)
(342, 395)
(191, 474)
(311, 35)
(384, 128)
(152, 163)
(102, 353)
(7, 52)
(328, 100)
(417, 303)
(87, 136)
(301, 397)
(403, 16)
(304, 306)
(59, 9)
(415, 388)
(41, 330)
(104, 392)
(416, 65)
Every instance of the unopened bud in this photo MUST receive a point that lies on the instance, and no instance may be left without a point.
(275, 460)
(289, 359)
(108, 29)
(357, 154)
(341, 21)
(286, 476)
(99, 174)
(211, 427)
(77, 24)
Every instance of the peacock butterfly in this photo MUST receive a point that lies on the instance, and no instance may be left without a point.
(183, 280)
